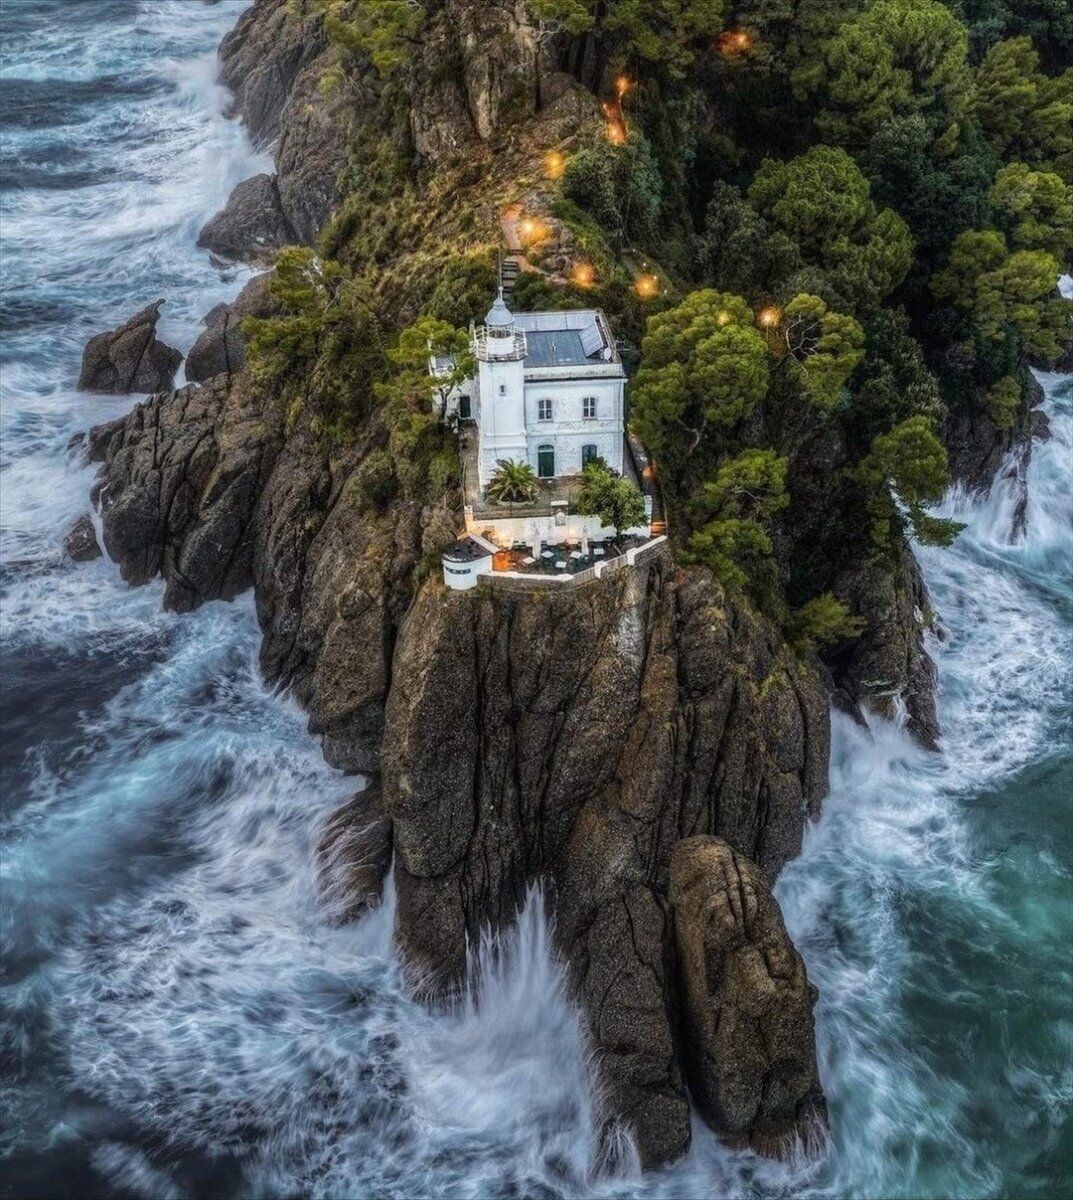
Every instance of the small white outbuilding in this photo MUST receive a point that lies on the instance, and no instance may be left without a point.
(465, 561)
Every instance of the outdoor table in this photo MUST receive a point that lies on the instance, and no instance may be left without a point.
(528, 560)
(546, 554)
(598, 552)
(560, 565)
(575, 554)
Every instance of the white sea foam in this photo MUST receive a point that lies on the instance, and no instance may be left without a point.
(183, 1017)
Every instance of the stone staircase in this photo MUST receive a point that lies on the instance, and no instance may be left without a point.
(509, 274)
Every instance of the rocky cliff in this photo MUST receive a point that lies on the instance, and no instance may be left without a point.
(571, 740)
(274, 61)
(576, 739)
(645, 748)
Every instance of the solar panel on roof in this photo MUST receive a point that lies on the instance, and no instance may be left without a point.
(591, 339)
(561, 348)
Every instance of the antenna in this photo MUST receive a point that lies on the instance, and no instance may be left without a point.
(500, 272)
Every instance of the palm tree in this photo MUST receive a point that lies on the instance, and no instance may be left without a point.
(512, 482)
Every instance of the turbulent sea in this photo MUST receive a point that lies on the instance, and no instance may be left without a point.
(179, 1019)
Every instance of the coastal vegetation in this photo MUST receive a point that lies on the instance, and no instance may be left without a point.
(855, 214)
(615, 500)
(827, 270)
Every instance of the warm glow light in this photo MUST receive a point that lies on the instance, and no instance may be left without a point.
(768, 317)
(532, 229)
(723, 318)
(646, 286)
(734, 41)
(622, 86)
(616, 125)
(583, 275)
(554, 164)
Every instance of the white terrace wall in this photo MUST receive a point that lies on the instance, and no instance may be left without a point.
(562, 527)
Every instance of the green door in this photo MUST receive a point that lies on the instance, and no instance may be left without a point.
(545, 461)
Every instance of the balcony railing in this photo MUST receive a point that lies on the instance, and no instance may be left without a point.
(499, 348)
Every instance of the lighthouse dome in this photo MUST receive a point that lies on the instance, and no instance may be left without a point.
(499, 316)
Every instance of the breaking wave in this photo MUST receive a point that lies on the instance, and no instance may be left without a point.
(179, 1019)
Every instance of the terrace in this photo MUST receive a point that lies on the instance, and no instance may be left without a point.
(554, 496)
(565, 563)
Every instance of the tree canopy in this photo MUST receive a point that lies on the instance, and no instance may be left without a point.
(1037, 207)
(1006, 294)
(1028, 116)
(908, 464)
(730, 535)
(896, 59)
(657, 31)
(616, 501)
(324, 346)
(704, 367)
(822, 201)
(383, 31)
(824, 348)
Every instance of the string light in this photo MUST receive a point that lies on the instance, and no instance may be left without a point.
(734, 41)
(583, 275)
(531, 229)
(616, 124)
(554, 164)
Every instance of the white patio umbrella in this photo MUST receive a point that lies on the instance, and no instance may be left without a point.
(584, 544)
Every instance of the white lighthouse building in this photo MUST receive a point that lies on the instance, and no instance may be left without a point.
(549, 391)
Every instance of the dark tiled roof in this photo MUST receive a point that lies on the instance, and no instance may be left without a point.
(465, 550)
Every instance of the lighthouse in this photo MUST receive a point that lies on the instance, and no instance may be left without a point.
(500, 349)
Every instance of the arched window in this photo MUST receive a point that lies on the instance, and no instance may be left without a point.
(544, 409)
(546, 461)
(588, 453)
(465, 408)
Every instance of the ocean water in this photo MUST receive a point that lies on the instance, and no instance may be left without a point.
(180, 1019)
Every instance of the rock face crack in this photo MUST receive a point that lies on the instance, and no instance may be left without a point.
(514, 740)
(536, 739)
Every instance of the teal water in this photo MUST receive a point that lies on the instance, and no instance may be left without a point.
(180, 1018)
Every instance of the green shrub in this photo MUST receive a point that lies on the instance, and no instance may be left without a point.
(375, 479)
(820, 622)
(1003, 401)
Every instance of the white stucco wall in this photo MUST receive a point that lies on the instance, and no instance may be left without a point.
(506, 531)
(461, 576)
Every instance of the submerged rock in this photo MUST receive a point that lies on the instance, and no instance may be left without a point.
(130, 358)
(81, 541)
(749, 1034)
(251, 226)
